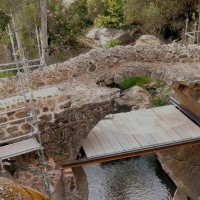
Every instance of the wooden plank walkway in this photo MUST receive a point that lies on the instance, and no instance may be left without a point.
(139, 132)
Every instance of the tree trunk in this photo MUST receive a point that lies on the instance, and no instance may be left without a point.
(44, 35)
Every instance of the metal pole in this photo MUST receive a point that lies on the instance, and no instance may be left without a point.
(198, 29)
(186, 29)
(195, 29)
(16, 62)
(38, 42)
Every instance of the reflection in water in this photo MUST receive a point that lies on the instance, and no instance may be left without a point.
(132, 179)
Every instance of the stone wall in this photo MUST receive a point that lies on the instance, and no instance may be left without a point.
(171, 62)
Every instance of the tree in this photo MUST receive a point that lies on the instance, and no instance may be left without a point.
(44, 35)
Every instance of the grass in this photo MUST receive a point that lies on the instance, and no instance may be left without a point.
(7, 74)
(134, 80)
(112, 43)
(158, 101)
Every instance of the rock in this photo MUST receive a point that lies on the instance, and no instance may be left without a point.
(108, 80)
(180, 194)
(148, 40)
(134, 96)
(11, 190)
(118, 78)
(102, 35)
(188, 94)
(182, 164)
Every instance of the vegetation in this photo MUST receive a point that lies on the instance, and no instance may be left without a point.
(135, 80)
(112, 43)
(158, 101)
(66, 22)
(7, 74)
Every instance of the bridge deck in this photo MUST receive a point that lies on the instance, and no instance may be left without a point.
(140, 131)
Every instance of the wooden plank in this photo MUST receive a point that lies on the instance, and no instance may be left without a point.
(96, 144)
(167, 129)
(88, 148)
(140, 128)
(110, 137)
(169, 116)
(103, 140)
(151, 126)
(134, 143)
(119, 135)
(131, 127)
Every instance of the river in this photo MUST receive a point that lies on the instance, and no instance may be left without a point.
(139, 178)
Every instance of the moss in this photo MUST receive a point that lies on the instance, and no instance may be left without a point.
(135, 80)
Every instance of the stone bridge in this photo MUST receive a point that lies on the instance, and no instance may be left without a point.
(77, 96)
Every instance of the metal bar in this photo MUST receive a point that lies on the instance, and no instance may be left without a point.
(14, 69)
(16, 120)
(38, 42)
(10, 111)
(18, 137)
(193, 32)
(128, 154)
(17, 65)
(19, 62)
(189, 35)
(186, 29)
(186, 111)
(195, 29)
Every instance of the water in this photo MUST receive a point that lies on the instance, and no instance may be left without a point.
(140, 178)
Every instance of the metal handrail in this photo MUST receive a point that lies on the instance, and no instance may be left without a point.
(186, 111)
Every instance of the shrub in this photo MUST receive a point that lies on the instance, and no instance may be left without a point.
(112, 43)
(166, 17)
(135, 80)
(158, 101)
(111, 14)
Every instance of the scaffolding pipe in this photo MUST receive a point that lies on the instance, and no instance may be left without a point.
(15, 57)
(10, 111)
(16, 120)
(18, 137)
(195, 29)
(186, 29)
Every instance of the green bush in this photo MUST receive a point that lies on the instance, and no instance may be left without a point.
(158, 101)
(112, 43)
(166, 17)
(135, 80)
(66, 23)
(109, 14)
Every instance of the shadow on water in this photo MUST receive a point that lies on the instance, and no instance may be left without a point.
(139, 178)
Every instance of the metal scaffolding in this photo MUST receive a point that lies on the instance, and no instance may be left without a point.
(30, 141)
(193, 36)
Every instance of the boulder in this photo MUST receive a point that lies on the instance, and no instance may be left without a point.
(11, 190)
(148, 41)
(189, 95)
(102, 35)
(135, 96)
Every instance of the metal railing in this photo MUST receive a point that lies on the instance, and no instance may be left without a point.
(192, 37)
